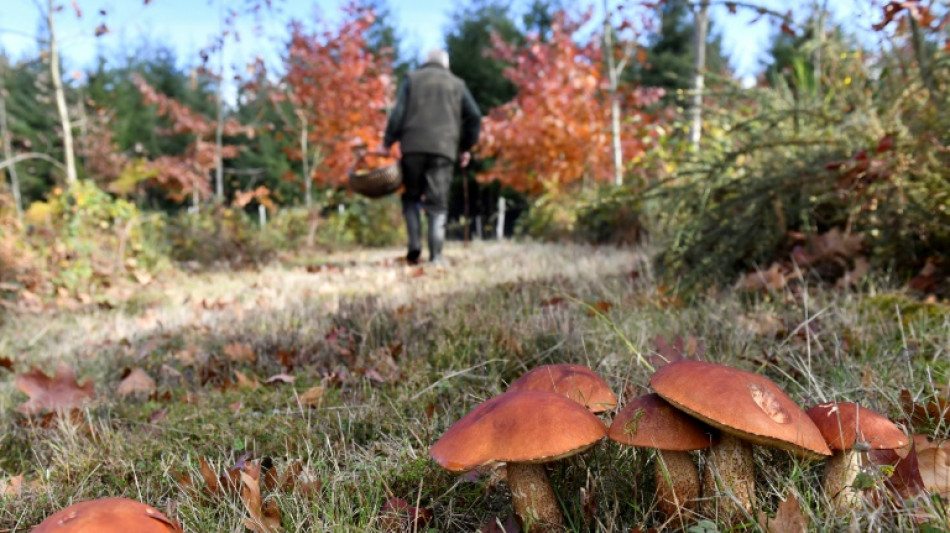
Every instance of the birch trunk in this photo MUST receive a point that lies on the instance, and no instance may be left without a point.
(69, 155)
(614, 104)
(699, 67)
(7, 140)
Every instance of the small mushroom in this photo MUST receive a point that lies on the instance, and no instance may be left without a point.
(577, 382)
(850, 430)
(650, 422)
(108, 515)
(748, 409)
(523, 429)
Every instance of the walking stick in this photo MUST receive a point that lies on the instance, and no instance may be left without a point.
(465, 197)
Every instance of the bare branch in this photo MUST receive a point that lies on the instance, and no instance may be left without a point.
(31, 155)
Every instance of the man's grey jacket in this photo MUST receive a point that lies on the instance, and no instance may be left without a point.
(434, 114)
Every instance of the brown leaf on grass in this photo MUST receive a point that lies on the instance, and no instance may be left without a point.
(502, 525)
(763, 323)
(691, 348)
(904, 479)
(313, 397)
(295, 479)
(245, 382)
(600, 307)
(922, 414)
(397, 515)
(286, 358)
(158, 416)
(775, 278)
(6, 364)
(510, 344)
(12, 487)
(933, 461)
(212, 485)
(277, 379)
(852, 277)
(57, 393)
(554, 301)
(136, 382)
(239, 352)
(264, 516)
(789, 518)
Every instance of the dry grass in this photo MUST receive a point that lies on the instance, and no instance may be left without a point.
(441, 342)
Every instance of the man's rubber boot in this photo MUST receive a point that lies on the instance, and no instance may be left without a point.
(410, 212)
(436, 235)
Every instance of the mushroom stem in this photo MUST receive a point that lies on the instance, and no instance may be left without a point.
(677, 483)
(838, 480)
(533, 497)
(730, 471)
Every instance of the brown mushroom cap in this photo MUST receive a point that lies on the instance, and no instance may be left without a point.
(649, 421)
(744, 404)
(844, 423)
(518, 426)
(108, 515)
(577, 382)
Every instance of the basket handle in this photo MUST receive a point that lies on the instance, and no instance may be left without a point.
(363, 153)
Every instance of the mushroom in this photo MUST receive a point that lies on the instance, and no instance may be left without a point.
(523, 429)
(651, 422)
(577, 382)
(748, 409)
(108, 515)
(849, 430)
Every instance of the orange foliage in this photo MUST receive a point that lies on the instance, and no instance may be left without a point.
(557, 129)
(341, 87)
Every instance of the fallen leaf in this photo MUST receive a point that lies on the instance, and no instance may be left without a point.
(279, 378)
(6, 364)
(397, 515)
(235, 407)
(212, 484)
(245, 382)
(923, 414)
(312, 398)
(691, 348)
(13, 487)
(905, 478)
(498, 525)
(265, 517)
(789, 518)
(137, 382)
(61, 392)
(240, 353)
(599, 308)
(933, 461)
(158, 416)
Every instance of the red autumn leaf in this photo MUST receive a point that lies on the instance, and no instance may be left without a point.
(886, 143)
(397, 515)
(789, 518)
(905, 480)
(57, 393)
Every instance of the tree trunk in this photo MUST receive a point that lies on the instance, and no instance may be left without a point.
(305, 159)
(70, 158)
(699, 67)
(7, 140)
(614, 104)
(218, 145)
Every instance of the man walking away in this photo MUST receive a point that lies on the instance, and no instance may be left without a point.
(436, 120)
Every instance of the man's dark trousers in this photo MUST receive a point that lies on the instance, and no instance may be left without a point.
(426, 178)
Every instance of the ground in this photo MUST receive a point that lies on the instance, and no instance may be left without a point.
(385, 356)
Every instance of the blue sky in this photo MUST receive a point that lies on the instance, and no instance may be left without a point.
(190, 25)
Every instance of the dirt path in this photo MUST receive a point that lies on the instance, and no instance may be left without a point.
(210, 298)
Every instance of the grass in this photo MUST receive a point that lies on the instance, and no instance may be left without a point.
(401, 356)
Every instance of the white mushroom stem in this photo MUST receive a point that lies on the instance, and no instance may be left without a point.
(533, 498)
(677, 483)
(729, 477)
(840, 472)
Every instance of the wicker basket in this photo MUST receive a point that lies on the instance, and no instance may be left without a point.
(375, 183)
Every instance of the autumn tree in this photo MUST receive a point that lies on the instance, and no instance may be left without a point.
(339, 90)
(188, 173)
(557, 129)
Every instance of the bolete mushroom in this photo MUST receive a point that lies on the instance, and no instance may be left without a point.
(523, 429)
(577, 382)
(748, 409)
(108, 515)
(650, 422)
(850, 429)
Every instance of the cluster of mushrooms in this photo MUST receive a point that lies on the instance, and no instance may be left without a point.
(550, 413)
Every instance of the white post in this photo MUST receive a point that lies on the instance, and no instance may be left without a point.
(262, 214)
(500, 229)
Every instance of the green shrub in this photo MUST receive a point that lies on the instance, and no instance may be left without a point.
(220, 235)
(597, 215)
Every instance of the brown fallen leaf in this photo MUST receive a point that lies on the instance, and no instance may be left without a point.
(691, 348)
(158, 416)
(57, 393)
(12, 487)
(905, 479)
(264, 516)
(137, 382)
(935, 410)
(397, 515)
(245, 382)
(600, 307)
(789, 518)
(279, 378)
(933, 461)
(240, 352)
(6, 364)
(499, 525)
(312, 398)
